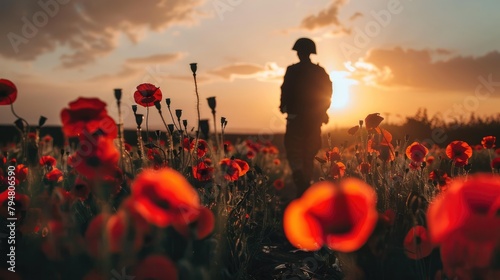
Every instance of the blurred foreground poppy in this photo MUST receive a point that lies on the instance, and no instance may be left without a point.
(87, 115)
(164, 197)
(341, 217)
(96, 158)
(463, 223)
(157, 267)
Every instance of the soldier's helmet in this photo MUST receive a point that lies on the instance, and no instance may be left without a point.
(305, 45)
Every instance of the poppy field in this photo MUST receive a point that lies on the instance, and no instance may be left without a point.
(184, 202)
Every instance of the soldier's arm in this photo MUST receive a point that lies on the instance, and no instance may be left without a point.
(285, 91)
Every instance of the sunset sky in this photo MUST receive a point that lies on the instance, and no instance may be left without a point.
(386, 56)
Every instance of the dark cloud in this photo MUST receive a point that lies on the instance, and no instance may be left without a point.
(417, 69)
(323, 18)
(86, 29)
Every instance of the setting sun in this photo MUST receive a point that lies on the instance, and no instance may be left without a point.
(341, 89)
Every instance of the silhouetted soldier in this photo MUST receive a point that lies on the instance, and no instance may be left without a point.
(305, 96)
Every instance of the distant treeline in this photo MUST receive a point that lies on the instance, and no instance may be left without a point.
(418, 128)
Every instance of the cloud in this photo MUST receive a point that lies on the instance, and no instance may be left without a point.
(420, 70)
(270, 71)
(355, 16)
(155, 59)
(83, 29)
(326, 17)
(149, 65)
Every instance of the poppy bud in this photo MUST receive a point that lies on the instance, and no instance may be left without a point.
(62, 152)
(118, 94)
(41, 121)
(185, 123)
(134, 108)
(211, 103)
(194, 67)
(222, 120)
(225, 124)
(167, 100)
(178, 113)
(360, 123)
(424, 164)
(158, 105)
(138, 119)
(157, 133)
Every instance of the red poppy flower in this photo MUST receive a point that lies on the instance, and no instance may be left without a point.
(87, 114)
(21, 202)
(156, 267)
(203, 224)
(342, 217)
(127, 147)
(488, 142)
(55, 176)
(234, 168)
(417, 244)
(416, 152)
(460, 221)
(279, 184)
(373, 120)
(333, 155)
(439, 178)
(353, 130)
(276, 161)
(388, 217)
(48, 161)
(380, 143)
(228, 146)
(202, 171)
(495, 163)
(364, 168)
(8, 92)
(430, 160)
(47, 138)
(459, 152)
(147, 94)
(164, 196)
(96, 158)
(337, 170)
(272, 150)
(250, 154)
(21, 172)
(202, 147)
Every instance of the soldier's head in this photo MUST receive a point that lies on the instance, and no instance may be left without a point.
(304, 47)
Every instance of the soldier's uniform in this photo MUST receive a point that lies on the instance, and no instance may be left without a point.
(305, 96)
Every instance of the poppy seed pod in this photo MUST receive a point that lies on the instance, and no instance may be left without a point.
(222, 120)
(170, 128)
(157, 133)
(138, 119)
(19, 124)
(211, 103)
(361, 123)
(41, 121)
(134, 108)
(158, 105)
(178, 113)
(185, 123)
(194, 67)
(167, 100)
(118, 94)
